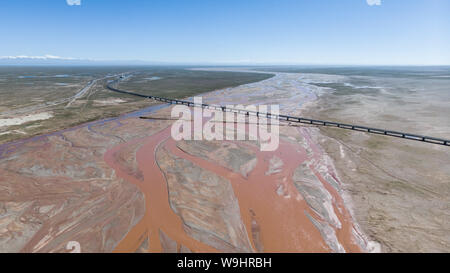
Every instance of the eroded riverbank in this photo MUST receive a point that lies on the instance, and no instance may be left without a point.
(125, 185)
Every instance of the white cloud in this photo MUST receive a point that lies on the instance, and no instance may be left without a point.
(73, 2)
(374, 2)
(45, 57)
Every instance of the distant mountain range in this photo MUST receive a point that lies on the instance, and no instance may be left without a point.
(37, 60)
(56, 60)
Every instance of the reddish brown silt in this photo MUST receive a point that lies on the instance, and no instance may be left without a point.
(271, 208)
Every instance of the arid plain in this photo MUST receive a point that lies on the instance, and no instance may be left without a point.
(122, 184)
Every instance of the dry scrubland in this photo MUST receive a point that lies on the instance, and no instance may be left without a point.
(392, 190)
(126, 185)
(37, 100)
(400, 189)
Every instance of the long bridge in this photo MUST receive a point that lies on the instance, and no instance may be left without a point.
(408, 136)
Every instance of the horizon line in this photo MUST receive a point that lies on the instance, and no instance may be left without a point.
(214, 64)
(21, 60)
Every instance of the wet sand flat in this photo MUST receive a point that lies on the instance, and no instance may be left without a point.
(177, 200)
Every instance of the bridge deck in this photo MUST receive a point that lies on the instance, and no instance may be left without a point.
(427, 139)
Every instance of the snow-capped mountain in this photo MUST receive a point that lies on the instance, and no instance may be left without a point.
(41, 60)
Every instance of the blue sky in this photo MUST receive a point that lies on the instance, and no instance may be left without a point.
(230, 31)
